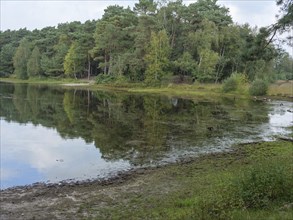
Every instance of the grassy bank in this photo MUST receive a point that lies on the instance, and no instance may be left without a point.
(280, 89)
(42, 80)
(181, 90)
(253, 182)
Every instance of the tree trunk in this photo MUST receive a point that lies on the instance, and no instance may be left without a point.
(110, 65)
(105, 63)
(89, 68)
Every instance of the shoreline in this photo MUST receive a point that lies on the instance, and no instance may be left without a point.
(179, 90)
(96, 199)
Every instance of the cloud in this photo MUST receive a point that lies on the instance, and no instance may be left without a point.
(7, 173)
(256, 13)
(40, 14)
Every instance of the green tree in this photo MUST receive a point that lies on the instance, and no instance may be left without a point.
(284, 22)
(186, 65)
(145, 7)
(207, 65)
(283, 66)
(60, 51)
(201, 44)
(20, 59)
(208, 10)
(34, 63)
(113, 38)
(75, 60)
(6, 59)
(136, 62)
(230, 47)
(157, 58)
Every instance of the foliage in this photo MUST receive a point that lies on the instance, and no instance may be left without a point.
(198, 40)
(236, 81)
(157, 57)
(103, 78)
(284, 66)
(20, 59)
(284, 21)
(6, 59)
(230, 84)
(185, 64)
(34, 63)
(260, 185)
(258, 88)
(74, 60)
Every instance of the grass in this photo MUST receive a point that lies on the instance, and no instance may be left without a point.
(278, 89)
(180, 90)
(205, 188)
(42, 80)
(281, 88)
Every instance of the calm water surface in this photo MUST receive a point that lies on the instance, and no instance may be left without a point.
(51, 134)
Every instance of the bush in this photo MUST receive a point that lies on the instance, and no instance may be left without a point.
(102, 78)
(236, 81)
(258, 88)
(230, 84)
(259, 186)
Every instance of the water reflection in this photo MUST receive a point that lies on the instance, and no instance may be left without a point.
(55, 134)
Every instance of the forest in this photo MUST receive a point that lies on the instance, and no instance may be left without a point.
(154, 42)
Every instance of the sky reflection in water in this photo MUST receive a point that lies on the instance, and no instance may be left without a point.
(52, 135)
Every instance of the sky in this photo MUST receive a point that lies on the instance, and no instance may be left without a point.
(37, 14)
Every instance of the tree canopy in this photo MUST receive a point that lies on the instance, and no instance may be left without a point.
(155, 39)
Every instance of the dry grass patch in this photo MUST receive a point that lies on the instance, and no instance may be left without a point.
(281, 88)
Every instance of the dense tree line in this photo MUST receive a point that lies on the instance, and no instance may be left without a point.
(151, 42)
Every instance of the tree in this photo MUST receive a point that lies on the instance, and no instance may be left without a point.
(20, 59)
(209, 10)
(145, 7)
(75, 60)
(186, 65)
(284, 22)
(60, 51)
(6, 59)
(157, 58)
(284, 66)
(207, 65)
(230, 48)
(201, 44)
(136, 63)
(34, 63)
(113, 38)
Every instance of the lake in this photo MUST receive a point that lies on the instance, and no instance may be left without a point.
(51, 134)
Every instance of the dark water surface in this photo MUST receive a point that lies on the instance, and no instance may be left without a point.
(50, 134)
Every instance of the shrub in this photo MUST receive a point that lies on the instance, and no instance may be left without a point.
(259, 186)
(102, 78)
(258, 88)
(236, 81)
(230, 84)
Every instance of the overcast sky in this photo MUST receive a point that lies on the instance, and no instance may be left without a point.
(16, 14)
